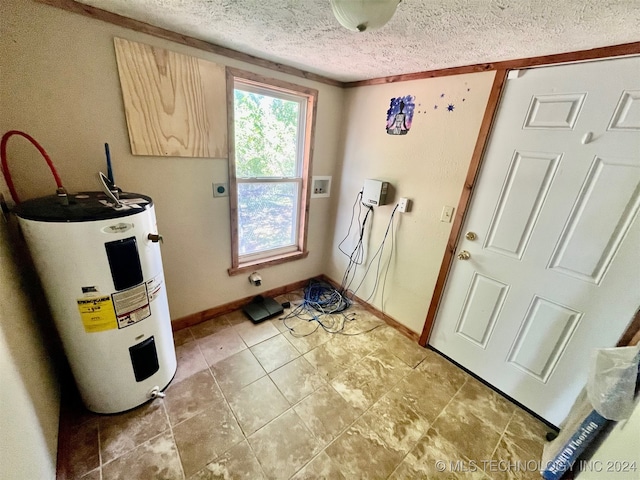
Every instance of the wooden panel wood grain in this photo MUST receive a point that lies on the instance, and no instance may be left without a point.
(175, 104)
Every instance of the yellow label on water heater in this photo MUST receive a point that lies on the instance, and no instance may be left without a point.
(97, 314)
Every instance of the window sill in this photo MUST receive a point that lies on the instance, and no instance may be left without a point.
(267, 262)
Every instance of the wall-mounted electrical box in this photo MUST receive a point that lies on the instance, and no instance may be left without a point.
(220, 190)
(320, 186)
(374, 192)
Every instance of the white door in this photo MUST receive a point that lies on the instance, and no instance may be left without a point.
(555, 268)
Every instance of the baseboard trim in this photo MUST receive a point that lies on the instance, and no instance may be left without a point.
(209, 313)
(204, 315)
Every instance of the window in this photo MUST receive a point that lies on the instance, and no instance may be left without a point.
(270, 138)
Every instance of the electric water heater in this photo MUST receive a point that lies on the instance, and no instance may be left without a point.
(100, 265)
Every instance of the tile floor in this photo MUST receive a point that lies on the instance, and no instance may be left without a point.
(253, 402)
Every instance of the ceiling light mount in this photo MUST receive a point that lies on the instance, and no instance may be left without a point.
(363, 15)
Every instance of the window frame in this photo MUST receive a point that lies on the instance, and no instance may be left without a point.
(299, 250)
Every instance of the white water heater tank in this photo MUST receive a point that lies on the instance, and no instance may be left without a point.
(101, 270)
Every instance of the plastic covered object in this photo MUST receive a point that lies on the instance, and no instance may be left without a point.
(612, 381)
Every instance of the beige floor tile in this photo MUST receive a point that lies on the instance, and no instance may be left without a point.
(209, 327)
(237, 371)
(435, 457)
(297, 379)
(254, 333)
(363, 454)
(236, 317)
(92, 475)
(472, 437)
(121, 433)
(274, 352)
(387, 366)
(364, 383)
(190, 361)
(406, 350)
(361, 320)
(191, 396)
(358, 345)
(85, 454)
(384, 334)
(221, 345)
(284, 446)
(300, 324)
(443, 372)
(182, 336)
(239, 462)
(320, 468)
(300, 340)
(278, 323)
(205, 436)
(396, 421)
(257, 404)
(286, 398)
(486, 404)
(358, 387)
(329, 360)
(527, 432)
(424, 394)
(334, 324)
(326, 413)
(155, 459)
(510, 462)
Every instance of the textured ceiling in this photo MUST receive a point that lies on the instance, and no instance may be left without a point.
(423, 34)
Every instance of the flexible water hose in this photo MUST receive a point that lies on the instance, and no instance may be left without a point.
(5, 168)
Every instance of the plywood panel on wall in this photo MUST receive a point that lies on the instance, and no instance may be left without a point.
(175, 104)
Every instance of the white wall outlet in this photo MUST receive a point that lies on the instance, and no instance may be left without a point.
(447, 214)
(404, 205)
(220, 190)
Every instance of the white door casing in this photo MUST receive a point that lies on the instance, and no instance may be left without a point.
(555, 268)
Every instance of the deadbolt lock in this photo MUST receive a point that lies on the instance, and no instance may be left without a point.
(464, 255)
(471, 236)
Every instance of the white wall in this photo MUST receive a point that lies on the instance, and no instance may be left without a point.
(29, 392)
(618, 455)
(60, 84)
(428, 165)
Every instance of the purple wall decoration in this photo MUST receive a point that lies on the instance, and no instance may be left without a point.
(400, 115)
(450, 102)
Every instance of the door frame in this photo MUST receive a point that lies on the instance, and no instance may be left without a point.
(477, 158)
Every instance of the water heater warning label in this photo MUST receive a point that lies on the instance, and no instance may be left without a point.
(97, 314)
(154, 286)
(131, 305)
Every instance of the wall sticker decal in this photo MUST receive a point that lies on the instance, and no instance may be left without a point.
(400, 115)
(449, 102)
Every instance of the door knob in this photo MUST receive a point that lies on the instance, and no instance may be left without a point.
(464, 255)
(471, 236)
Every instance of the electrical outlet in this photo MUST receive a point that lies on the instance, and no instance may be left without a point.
(447, 214)
(220, 190)
(404, 205)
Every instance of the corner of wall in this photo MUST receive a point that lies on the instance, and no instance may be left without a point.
(30, 393)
